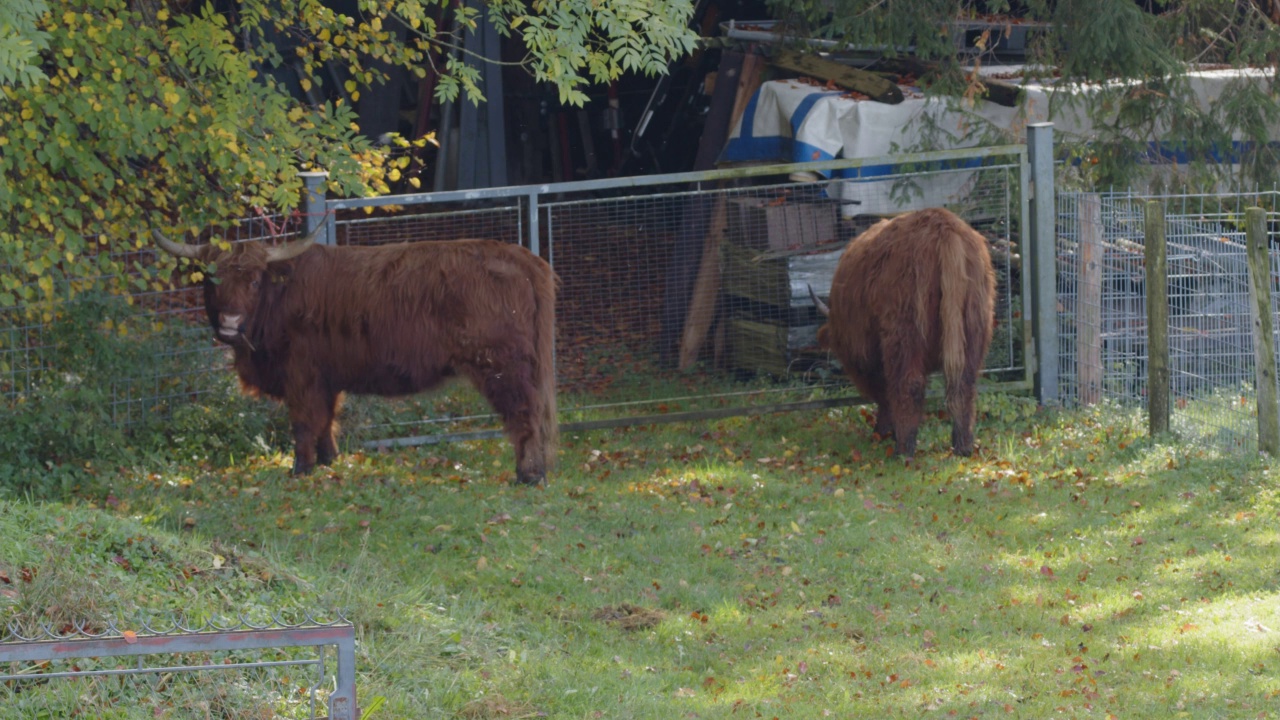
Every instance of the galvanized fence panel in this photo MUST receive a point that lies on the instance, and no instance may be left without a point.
(1210, 315)
(274, 667)
(740, 246)
(686, 296)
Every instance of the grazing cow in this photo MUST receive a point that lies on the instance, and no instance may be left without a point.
(911, 296)
(310, 322)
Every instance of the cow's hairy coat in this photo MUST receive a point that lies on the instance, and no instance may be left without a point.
(911, 296)
(392, 320)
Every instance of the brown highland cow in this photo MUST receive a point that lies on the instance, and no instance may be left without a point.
(911, 296)
(310, 322)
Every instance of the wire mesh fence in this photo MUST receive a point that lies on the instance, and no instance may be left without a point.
(1102, 319)
(45, 349)
(277, 667)
(692, 296)
(680, 294)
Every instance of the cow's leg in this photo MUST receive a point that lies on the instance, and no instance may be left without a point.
(906, 384)
(327, 445)
(510, 390)
(962, 395)
(309, 411)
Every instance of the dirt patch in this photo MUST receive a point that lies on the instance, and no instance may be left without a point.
(628, 617)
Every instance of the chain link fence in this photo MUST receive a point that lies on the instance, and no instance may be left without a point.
(1102, 313)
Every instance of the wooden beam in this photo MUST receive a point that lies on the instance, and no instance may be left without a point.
(1157, 283)
(1263, 336)
(868, 83)
(1089, 302)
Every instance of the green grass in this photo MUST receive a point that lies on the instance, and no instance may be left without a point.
(777, 566)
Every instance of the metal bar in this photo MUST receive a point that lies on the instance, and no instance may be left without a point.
(192, 642)
(692, 415)
(1045, 321)
(535, 238)
(148, 670)
(676, 178)
(314, 181)
(342, 703)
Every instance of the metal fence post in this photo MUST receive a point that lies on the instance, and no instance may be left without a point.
(342, 703)
(1044, 324)
(315, 206)
(535, 240)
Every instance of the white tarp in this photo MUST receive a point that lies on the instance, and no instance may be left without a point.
(793, 121)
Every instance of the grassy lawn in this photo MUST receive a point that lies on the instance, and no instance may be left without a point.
(778, 566)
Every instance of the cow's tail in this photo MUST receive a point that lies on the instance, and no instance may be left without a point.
(544, 348)
(957, 285)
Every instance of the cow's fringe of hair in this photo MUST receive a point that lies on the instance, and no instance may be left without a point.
(955, 282)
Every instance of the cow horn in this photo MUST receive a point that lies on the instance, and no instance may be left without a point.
(176, 248)
(822, 307)
(294, 248)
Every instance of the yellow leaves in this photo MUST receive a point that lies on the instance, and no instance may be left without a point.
(171, 98)
(295, 114)
(349, 86)
(162, 15)
(306, 84)
(415, 182)
(394, 175)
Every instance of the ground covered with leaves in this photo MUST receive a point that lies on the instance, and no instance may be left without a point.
(779, 566)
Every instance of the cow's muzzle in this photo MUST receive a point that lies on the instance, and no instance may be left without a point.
(230, 326)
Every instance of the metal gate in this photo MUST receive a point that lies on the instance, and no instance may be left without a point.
(686, 296)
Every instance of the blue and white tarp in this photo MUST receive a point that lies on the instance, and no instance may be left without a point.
(793, 121)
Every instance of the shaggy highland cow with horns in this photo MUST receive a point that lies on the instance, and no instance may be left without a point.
(911, 296)
(310, 322)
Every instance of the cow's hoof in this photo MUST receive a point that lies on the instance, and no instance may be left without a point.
(530, 478)
(299, 470)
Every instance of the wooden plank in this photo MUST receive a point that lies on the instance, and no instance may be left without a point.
(749, 79)
(746, 275)
(1263, 334)
(1089, 301)
(706, 289)
(715, 131)
(870, 84)
(758, 347)
(1157, 284)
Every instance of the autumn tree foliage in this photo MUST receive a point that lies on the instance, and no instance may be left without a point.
(118, 116)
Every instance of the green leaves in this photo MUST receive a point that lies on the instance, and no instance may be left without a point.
(21, 41)
(120, 116)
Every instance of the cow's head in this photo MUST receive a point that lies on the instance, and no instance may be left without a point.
(233, 279)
